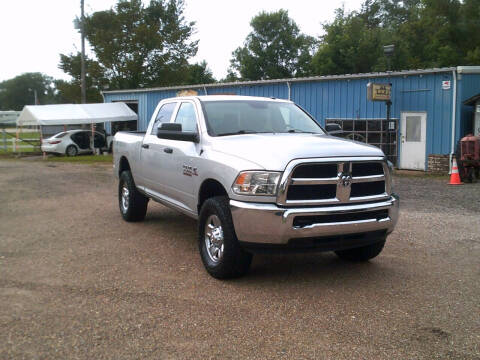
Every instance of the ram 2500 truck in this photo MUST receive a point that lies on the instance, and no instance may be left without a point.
(259, 174)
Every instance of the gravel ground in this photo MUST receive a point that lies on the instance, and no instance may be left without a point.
(76, 282)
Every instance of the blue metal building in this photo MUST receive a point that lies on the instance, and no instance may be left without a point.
(427, 113)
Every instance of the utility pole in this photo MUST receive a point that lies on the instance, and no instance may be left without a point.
(82, 32)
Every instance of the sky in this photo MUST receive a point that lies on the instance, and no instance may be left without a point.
(33, 33)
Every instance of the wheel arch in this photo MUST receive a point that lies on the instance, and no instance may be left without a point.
(210, 188)
(123, 165)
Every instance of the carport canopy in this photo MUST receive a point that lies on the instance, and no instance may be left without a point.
(73, 114)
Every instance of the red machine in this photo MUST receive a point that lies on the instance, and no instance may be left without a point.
(469, 161)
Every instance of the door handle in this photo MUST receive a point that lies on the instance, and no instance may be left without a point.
(145, 146)
(168, 150)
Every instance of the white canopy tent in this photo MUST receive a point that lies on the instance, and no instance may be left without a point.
(74, 114)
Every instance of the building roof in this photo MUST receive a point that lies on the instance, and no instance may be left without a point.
(472, 100)
(459, 69)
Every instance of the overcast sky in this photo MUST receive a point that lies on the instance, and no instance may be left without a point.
(33, 33)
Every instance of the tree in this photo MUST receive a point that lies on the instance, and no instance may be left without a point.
(351, 44)
(141, 45)
(19, 91)
(70, 91)
(199, 74)
(274, 49)
(426, 33)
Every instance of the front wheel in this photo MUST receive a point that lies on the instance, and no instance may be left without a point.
(133, 204)
(363, 253)
(220, 251)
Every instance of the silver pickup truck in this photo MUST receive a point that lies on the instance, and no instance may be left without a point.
(259, 174)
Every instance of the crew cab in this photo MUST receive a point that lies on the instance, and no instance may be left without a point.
(259, 174)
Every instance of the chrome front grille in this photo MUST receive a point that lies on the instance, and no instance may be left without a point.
(331, 181)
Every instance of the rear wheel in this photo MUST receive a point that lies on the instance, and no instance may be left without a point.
(220, 251)
(363, 253)
(133, 204)
(71, 150)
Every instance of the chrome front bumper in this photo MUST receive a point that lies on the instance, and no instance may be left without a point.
(269, 224)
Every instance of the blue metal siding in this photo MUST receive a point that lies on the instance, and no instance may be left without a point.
(142, 105)
(346, 98)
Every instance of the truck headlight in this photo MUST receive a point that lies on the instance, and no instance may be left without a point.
(256, 183)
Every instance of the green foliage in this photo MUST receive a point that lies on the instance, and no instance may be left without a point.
(17, 92)
(351, 44)
(140, 45)
(274, 49)
(199, 74)
(231, 76)
(70, 92)
(426, 33)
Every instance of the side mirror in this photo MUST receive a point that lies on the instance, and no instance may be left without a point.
(333, 129)
(173, 131)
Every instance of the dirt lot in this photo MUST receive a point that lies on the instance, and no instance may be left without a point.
(78, 282)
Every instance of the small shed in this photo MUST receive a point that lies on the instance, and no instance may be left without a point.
(8, 118)
(475, 102)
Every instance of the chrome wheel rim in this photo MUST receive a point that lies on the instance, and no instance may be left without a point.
(214, 240)
(71, 151)
(125, 198)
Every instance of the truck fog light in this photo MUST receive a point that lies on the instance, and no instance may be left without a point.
(256, 183)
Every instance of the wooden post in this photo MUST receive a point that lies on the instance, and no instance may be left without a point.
(4, 135)
(16, 140)
(44, 155)
(92, 140)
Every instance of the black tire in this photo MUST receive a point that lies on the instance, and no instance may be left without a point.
(234, 261)
(471, 175)
(135, 206)
(110, 148)
(71, 150)
(361, 254)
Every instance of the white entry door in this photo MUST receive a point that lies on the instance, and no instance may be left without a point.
(413, 140)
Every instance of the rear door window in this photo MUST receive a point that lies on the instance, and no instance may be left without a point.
(186, 116)
(99, 141)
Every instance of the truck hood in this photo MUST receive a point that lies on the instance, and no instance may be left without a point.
(275, 151)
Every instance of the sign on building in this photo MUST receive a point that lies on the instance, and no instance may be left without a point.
(378, 92)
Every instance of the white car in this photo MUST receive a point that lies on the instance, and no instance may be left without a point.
(74, 142)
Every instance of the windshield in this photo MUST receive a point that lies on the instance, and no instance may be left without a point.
(253, 116)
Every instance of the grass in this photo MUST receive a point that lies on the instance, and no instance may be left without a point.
(29, 149)
(82, 159)
(29, 135)
(26, 146)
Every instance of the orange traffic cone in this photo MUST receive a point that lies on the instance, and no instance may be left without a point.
(455, 176)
